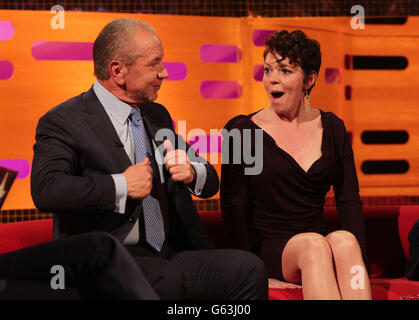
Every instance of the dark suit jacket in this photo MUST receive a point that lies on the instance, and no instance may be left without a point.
(76, 150)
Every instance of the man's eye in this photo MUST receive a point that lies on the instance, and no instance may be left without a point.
(158, 65)
(155, 63)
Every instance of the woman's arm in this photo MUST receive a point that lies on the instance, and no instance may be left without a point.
(346, 189)
(234, 193)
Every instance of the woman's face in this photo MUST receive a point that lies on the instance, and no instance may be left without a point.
(284, 84)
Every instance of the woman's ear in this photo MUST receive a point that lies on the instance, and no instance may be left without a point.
(116, 71)
(311, 80)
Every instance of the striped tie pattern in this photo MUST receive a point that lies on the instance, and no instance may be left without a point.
(153, 220)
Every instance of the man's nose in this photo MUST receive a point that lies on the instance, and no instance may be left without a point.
(163, 74)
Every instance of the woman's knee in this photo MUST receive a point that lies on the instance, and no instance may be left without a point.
(343, 242)
(316, 250)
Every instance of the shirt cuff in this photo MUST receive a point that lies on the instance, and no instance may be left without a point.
(201, 177)
(121, 192)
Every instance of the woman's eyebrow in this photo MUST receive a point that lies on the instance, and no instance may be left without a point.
(284, 65)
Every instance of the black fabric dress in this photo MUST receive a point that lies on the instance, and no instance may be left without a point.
(262, 212)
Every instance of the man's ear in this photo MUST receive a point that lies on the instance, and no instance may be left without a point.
(116, 71)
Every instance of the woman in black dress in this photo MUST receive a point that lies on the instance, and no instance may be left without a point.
(278, 213)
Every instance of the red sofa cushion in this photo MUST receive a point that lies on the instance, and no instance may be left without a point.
(397, 289)
(18, 235)
(381, 289)
(286, 294)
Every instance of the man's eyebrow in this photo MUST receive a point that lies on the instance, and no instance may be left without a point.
(156, 59)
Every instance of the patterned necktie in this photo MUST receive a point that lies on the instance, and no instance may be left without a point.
(153, 220)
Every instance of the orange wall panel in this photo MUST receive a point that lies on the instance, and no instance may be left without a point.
(381, 100)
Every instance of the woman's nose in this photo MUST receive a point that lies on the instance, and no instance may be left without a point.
(275, 77)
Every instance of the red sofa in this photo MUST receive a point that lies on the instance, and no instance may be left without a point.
(387, 244)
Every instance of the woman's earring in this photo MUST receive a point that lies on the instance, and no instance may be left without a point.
(307, 100)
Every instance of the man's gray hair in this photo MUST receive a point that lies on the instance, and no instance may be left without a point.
(115, 41)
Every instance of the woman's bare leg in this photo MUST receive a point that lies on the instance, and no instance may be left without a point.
(351, 273)
(307, 258)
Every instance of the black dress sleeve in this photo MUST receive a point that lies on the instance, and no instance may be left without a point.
(234, 193)
(346, 189)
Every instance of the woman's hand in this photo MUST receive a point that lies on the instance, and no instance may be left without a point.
(276, 284)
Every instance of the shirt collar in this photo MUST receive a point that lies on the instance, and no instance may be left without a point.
(119, 109)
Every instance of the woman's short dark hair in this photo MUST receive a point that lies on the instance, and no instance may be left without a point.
(297, 48)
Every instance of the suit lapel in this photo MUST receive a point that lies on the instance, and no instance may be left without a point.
(99, 122)
(151, 129)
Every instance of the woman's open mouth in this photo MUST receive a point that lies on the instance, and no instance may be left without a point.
(277, 94)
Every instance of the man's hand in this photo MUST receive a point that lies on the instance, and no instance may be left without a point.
(139, 179)
(177, 163)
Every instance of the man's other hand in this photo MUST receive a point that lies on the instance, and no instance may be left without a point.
(177, 163)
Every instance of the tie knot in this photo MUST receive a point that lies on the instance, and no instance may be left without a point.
(135, 115)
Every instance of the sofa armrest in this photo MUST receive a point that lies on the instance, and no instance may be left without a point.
(408, 215)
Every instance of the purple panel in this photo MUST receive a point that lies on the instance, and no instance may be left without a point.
(220, 53)
(207, 144)
(221, 89)
(6, 70)
(20, 165)
(260, 36)
(6, 30)
(177, 70)
(62, 50)
(348, 92)
(333, 75)
(258, 72)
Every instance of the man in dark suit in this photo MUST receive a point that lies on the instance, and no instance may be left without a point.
(100, 163)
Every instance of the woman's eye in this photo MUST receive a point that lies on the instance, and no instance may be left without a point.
(267, 70)
(286, 71)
